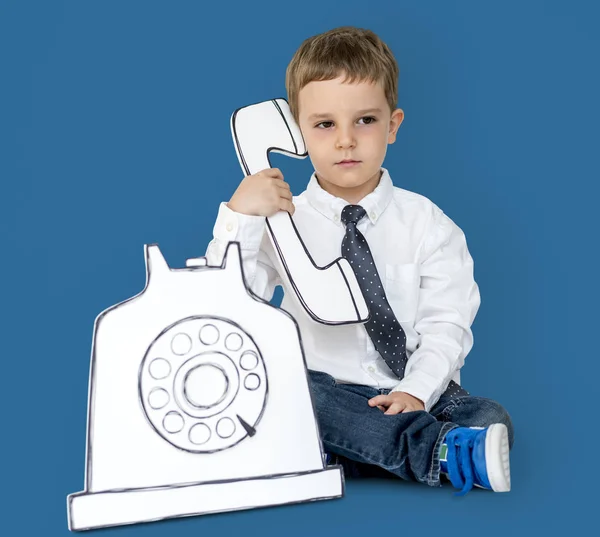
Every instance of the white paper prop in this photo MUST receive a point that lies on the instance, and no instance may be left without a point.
(199, 403)
(330, 294)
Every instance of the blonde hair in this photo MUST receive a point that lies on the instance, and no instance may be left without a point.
(356, 52)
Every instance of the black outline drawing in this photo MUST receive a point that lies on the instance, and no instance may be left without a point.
(196, 414)
(282, 225)
(104, 507)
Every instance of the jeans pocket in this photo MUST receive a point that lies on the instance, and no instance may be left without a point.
(321, 377)
(447, 409)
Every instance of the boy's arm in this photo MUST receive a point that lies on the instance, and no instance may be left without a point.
(249, 231)
(448, 302)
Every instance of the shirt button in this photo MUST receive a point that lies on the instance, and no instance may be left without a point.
(373, 216)
(371, 369)
(229, 226)
(336, 218)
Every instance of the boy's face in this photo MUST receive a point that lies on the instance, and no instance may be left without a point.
(347, 122)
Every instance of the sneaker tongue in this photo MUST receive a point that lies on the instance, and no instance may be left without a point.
(444, 458)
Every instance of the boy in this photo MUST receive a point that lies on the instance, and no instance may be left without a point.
(386, 396)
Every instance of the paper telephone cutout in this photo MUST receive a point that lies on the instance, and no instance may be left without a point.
(198, 403)
(331, 294)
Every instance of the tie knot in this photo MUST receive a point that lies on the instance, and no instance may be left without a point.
(353, 213)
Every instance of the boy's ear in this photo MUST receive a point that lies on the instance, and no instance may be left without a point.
(395, 122)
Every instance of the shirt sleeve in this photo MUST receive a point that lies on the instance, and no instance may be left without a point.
(249, 231)
(448, 302)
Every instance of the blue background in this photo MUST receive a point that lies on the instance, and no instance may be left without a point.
(114, 132)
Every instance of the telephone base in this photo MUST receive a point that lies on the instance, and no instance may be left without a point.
(113, 508)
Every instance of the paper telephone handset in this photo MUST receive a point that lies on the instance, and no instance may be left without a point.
(329, 294)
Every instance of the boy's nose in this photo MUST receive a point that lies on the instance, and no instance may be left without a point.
(345, 139)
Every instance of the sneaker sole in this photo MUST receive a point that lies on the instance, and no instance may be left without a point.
(497, 460)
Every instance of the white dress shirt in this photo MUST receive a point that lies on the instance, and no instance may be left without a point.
(422, 259)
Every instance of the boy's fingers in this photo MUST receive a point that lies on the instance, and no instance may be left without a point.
(281, 190)
(286, 194)
(286, 205)
(396, 408)
(379, 400)
(275, 173)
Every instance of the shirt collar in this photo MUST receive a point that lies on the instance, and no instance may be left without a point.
(331, 207)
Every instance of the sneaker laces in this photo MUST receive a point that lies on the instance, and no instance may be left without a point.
(459, 449)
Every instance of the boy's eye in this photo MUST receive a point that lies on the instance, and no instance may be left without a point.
(325, 124)
(368, 120)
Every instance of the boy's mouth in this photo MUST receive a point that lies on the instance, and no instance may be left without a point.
(348, 163)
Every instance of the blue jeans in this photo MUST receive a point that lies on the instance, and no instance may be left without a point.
(369, 443)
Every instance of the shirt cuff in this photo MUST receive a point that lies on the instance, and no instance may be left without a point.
(422, 386)
(246, 229)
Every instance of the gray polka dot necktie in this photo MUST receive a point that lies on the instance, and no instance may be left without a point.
(383, 328)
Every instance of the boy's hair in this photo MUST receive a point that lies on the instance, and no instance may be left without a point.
(356, 52)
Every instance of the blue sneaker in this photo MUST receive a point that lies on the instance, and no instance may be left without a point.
(478, 456)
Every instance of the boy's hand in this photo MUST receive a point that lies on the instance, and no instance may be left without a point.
(262, 194)
(396, 402)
